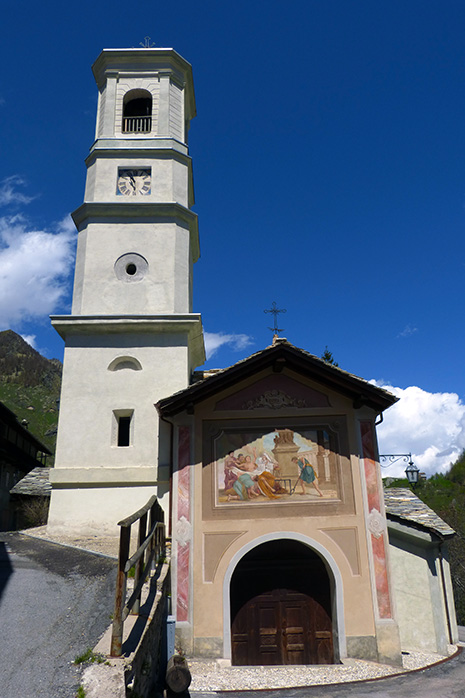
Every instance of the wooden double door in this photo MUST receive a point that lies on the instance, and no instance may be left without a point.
(281, 608)
(282, 626)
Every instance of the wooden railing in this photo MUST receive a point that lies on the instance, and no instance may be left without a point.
(151, 546)
(137, 124)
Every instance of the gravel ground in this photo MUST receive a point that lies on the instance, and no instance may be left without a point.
(215, 676)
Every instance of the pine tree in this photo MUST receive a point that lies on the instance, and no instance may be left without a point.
(328, 357)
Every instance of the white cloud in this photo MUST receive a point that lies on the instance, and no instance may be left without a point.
(9, 191)
(30, 339)
(215, 340)
(34, 269)
(408, 331)
(429, 425)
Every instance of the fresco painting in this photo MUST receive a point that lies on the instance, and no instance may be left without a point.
(283, 465)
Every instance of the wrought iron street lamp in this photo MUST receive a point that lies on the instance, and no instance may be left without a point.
(411, 471)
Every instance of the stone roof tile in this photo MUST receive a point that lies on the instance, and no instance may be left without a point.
(404, 504)
(36, 483)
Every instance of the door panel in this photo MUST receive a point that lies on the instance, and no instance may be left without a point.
(267, 631)
(282, 627)
(293, 630)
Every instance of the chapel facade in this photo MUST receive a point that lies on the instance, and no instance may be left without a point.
(279, 530)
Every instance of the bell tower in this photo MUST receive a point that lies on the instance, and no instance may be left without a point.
(132, 337)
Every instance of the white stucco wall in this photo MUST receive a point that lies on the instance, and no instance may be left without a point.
(169, 177)
(91, 393)
(165, 286)
(420, 596)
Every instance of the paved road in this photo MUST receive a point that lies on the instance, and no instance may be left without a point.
(55, 602)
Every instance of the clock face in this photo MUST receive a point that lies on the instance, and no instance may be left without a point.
(134, 182)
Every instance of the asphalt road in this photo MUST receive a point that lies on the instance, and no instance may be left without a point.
(55, 602)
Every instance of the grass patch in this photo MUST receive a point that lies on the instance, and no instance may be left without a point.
(81, 693)
(90, 657)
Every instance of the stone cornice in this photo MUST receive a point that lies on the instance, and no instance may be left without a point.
(108, 212)
(105, 324)
(158, 146)
(188, 323)
(95, 477)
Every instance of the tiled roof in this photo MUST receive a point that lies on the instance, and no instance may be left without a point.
(281, 353)
(402, 503)
(35, 483)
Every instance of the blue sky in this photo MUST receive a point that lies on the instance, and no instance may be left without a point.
(329, 170)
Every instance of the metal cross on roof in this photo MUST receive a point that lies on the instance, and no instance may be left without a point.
(274, 310)
(148, 43)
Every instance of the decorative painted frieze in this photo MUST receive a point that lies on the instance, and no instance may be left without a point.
(376, 523)
(273, 400)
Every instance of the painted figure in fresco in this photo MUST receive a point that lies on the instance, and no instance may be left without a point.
(245, 487)
(247, 477)
(230, 474)
(266, 468)
(239, 483)
(266, 462)
(307, 475)
(260, 467)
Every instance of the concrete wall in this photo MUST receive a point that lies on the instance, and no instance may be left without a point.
(423, 601)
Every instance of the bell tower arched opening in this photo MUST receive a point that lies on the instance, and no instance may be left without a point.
(281, 600)
(137, 112)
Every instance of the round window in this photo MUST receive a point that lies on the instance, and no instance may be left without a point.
(131, 267)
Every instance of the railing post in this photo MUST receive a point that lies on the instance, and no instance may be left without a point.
(120, 594)
(140, 564)
(153, 539)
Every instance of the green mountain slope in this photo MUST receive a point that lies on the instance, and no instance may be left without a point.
(30, 386)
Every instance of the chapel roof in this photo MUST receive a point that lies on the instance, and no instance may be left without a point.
(402, 503)
(279, 355)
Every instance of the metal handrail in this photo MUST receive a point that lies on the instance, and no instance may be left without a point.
(152, 543)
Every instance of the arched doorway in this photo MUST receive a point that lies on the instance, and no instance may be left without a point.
(280, 597)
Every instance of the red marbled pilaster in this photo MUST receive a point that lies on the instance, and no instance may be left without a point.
(183, 524)
(378, 540)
